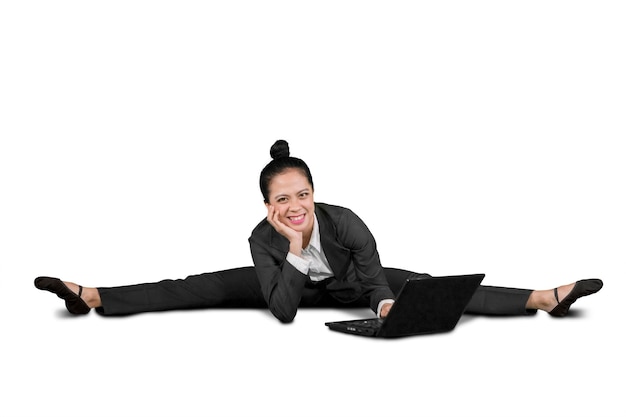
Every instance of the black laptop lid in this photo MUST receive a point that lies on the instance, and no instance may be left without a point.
(429, 305)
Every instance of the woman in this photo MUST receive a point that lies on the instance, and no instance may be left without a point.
(305, 254)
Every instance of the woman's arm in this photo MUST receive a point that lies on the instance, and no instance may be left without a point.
(354, 234)
(281, 283)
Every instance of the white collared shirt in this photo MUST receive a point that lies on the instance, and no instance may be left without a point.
(313, 262)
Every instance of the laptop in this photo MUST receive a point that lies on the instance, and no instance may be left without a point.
(424, 305)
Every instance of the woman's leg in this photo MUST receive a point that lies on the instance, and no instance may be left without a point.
(486, 300)
(504, 301)
(514, 301)
(500, 301)
(230, 288)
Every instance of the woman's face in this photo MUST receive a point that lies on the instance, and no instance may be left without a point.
(291, 194)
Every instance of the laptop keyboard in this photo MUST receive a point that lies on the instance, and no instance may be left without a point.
(369, 323)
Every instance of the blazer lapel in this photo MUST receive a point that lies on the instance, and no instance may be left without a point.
(337, 255)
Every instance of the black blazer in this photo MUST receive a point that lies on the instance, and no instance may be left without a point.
(351, 252)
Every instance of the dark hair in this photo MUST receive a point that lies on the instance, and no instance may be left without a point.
(281, 161)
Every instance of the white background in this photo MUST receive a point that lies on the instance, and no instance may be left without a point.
(477, 136)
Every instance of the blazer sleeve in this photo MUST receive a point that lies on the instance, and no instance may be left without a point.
(355, 235)
(282, 284)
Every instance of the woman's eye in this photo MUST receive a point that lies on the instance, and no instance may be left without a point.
(304, 195)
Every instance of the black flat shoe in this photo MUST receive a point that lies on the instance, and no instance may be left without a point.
(73, 302)
(581, 288)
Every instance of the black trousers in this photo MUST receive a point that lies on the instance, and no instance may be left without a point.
(240, 288)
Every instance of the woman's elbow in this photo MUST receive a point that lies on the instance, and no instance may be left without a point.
(284, 315)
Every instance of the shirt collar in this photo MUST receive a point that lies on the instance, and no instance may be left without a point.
(315, 235)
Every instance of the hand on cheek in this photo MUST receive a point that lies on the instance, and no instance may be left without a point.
(294, 237)
(273, 217)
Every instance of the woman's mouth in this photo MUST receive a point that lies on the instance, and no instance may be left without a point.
(296, 219)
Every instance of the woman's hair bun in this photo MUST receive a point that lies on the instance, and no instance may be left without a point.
(280, 149)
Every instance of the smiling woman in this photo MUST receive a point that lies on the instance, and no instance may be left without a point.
(305, 254)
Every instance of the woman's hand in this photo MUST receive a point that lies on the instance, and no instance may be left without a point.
(384, 310)
(294, 237)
